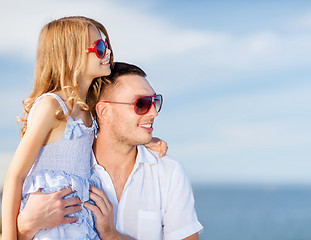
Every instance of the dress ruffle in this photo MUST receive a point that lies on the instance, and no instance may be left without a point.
(50, 181)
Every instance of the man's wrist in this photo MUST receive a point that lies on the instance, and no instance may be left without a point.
(112, 235)
(115, 236)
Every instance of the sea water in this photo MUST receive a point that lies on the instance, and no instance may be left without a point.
(252, 212)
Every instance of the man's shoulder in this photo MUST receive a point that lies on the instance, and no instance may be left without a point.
(167, 159)
(167, 163)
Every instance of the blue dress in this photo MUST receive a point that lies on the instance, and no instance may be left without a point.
(66, 162)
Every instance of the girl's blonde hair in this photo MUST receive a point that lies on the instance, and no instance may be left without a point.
(61, 56)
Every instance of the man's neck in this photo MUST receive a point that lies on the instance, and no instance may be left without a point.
(114, 156)
(118, 160)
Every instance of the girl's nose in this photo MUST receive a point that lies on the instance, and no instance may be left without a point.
(108, 51)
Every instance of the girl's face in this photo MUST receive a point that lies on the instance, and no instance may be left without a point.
(96, 67)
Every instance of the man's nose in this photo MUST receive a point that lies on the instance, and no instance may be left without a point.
(153, 111)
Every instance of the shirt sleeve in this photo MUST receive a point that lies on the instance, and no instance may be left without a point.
(180, 219)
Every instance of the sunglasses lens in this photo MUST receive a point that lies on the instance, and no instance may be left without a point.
(143, 105)
(101, 49)
(158, 102)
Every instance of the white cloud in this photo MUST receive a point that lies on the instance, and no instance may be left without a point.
(302, 22)
(259, 51)
(11, 101)
(134, 34)
(249, 136)
(138, 36)
(261, 43)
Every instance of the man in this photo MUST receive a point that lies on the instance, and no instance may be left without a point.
(150, 197)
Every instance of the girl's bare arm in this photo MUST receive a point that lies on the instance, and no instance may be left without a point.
(42, 122)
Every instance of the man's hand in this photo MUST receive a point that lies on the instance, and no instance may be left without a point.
(46, 210)
(104, 218)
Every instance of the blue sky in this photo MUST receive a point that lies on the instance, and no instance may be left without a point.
(235, 76)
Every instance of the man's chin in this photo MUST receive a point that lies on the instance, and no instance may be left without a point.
(145, 141)
(138, 140)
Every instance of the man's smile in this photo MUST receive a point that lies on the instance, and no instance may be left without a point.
(146, 125)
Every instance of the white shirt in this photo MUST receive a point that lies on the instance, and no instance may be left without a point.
(157, 200)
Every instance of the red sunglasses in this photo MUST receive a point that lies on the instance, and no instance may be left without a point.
(100, 48)
(142, 105)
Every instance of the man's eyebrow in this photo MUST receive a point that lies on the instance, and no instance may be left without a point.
(143, 95)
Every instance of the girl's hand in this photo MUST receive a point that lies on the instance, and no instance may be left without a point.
(158, 145)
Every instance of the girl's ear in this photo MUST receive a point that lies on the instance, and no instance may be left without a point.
(101, 110)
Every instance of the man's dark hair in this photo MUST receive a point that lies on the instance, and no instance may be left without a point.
(117, 70)
(120, 68)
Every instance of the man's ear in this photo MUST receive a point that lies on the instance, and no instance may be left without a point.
(101, 110)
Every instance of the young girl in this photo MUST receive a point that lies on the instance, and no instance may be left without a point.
(58, 130)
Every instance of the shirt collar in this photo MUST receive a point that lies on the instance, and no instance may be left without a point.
(144, 155)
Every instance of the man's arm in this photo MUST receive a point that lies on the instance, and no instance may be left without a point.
(180, 219)
(104, 219)
(46, 210)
